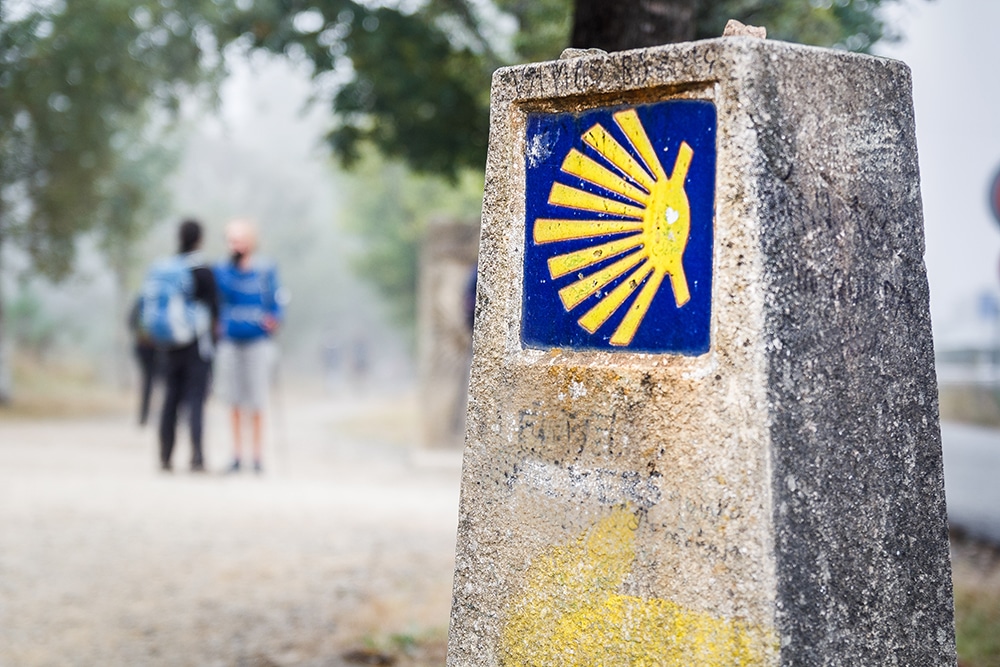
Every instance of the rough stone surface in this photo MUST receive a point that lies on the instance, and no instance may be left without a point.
(736, 29)
(858, 493)
(581, 53)
(776, 501)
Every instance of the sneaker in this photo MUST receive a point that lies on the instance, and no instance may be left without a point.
(234, 467)
(166, 467)
(197, 467)
(257, 467)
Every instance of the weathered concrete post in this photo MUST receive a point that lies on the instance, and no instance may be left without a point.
(444, 339)
(703, 422)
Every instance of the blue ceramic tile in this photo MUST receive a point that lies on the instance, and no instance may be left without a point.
(618, 242)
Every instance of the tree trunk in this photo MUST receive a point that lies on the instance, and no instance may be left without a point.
(617, 25)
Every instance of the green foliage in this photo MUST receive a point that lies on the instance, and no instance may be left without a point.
(427, 96)
(415, 83)
(977, 626)
(409, 85)
(855, 25)
(543, 28)
(71, 75)
(133, 194)
(33, 329)
(389, 208)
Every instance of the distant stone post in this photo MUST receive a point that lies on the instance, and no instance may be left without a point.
(703, 426)
(444, 337)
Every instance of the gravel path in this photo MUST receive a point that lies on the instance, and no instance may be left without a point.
(348, 538)
(346, 541)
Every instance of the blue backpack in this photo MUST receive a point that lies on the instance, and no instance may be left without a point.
(169, 314)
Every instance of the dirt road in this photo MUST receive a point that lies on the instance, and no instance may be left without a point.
(346, 540)
(345, 543)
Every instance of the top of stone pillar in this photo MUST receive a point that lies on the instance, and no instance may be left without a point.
(620, 72)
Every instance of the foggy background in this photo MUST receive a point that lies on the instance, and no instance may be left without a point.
(953, 52)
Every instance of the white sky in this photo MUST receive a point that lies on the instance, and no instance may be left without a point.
(953, 50)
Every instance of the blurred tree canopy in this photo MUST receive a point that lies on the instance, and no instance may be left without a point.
(73, 77)
(412, 79)
(388, 209)
(133, 194)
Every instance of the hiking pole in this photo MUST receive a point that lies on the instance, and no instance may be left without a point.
(278, 408)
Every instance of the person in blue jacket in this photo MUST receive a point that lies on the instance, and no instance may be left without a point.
(249, 316)
(187, 361)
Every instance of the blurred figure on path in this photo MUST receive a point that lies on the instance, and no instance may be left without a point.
(179, 311)
(469, 298)
(359, 363)
(250, 313)
(147, 357)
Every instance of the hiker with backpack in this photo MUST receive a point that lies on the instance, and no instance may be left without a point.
(250, 313)
(179, 313)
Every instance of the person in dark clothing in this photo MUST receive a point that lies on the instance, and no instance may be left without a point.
(469, 297)
(187, 368)
(147, 356)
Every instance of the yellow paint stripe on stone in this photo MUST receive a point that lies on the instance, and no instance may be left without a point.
(681, 164)
(599, 314)
(560, 265)
(578, 164)
(571, 613)
(679, 283)
(550, 231)
(564, 195)
(630, 124)
(637, 311)
(575, 293)
(605, 144)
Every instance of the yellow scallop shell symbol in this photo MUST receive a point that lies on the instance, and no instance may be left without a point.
(653, 230)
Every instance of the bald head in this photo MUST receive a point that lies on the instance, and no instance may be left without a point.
(241, 237)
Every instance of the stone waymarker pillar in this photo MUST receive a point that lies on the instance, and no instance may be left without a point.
(444, 338)
(703, 422)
